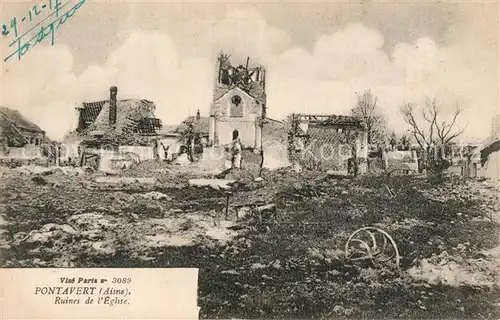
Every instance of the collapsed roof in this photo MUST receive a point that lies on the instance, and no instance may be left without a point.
(14, 126)
(304, 121)
(200, 125)
(132, 115)
(252, 80)
(125, 121)
(9, 117)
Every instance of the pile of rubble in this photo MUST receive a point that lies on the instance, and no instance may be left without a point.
(95, 234)
(454, 270)
(283, 240)
(41, 170)
(485, 193)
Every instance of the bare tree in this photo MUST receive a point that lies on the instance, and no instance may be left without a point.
(432, 133)
(367, 110)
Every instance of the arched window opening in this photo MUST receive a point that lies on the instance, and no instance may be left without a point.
(236, 106)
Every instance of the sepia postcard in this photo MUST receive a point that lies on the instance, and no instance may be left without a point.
(249, 160)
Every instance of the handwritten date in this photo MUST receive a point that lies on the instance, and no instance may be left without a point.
(60, 14)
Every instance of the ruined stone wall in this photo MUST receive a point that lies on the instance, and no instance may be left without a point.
(143, 152)
(326, 147)
(491, 168)
(495, 130)
(246, 129)
(275, 144)
(27, 152)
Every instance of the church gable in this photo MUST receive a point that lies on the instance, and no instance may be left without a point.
(236, 103)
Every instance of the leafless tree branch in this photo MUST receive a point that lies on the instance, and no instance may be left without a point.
(442, 128)
(367, 110)
(458, 111)
(408, 116)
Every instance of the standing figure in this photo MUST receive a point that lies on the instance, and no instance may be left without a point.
(236, 151)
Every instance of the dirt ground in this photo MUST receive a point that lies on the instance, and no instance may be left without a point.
(283, 256)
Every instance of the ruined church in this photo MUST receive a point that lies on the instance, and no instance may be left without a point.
(238, 104)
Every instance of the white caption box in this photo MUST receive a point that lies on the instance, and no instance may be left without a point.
(98, 293)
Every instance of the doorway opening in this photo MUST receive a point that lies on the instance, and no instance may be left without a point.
(236, 134)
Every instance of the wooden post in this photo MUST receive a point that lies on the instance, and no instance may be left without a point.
(264, 79)
(82, 156)
(227, 206)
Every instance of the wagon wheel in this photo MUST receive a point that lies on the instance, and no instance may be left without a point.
(374, 244)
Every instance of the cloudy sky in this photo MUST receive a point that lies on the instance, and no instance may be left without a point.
(318, 55)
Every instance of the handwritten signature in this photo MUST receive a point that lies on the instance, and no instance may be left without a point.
(46, 28)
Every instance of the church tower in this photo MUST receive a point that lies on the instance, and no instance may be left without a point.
(238, 104)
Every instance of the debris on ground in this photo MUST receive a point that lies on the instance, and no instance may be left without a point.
(278, 251)
(214, 183)
(456, 271)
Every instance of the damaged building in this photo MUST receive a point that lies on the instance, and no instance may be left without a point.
(238, 104)
(124, 130)
(17, 131)
(490, 152)
(199, 124)
(327, 142)
(22, 141)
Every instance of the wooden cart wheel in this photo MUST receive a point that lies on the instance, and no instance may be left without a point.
(371, 243)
